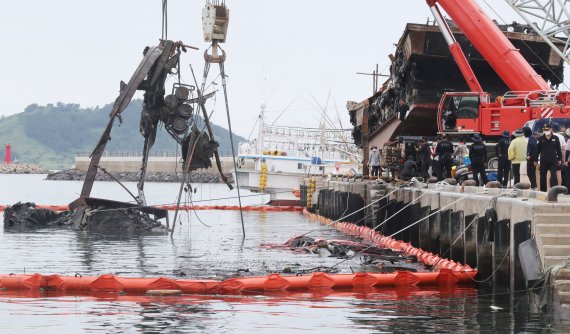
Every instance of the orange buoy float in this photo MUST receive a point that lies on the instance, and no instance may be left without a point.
(380, 240)
(256, 284)
(263, 208)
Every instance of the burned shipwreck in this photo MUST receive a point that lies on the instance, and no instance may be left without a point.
(423, 69)
(178, 108)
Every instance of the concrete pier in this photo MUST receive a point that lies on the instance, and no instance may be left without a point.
(472, 225)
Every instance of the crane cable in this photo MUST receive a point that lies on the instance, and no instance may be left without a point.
(207, 65)
(223, 75)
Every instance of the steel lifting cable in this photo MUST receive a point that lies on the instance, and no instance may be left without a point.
(440, 209)
(472, 221)
(223, 74)
(413, 224)
(185, 173)
(224, 86)
(364, 207)
(186, 167)
(402, 209)
(191, 153)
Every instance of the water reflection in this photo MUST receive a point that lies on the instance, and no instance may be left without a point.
(377, 310)
(214, 251)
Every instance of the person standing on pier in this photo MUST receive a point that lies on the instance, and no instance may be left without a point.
(460, 152)
(550, 153)
(444, 150)
(517, 153)
(374, 161)
(478, 157)
(531, 144)
(502, 150)
(424, 155)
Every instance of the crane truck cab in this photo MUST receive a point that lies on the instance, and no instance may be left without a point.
(460, 112)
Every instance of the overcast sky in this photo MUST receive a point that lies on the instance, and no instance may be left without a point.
(280, 52)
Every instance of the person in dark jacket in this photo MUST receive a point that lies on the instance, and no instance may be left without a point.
(550, 153)
(410, 169)
(444, 150)
(403, 110)
(424, 158)
(478, 156)
(410, 149)
(502, 151)
(530, 168)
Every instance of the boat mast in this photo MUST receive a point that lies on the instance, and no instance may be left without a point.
(261, 128)
(323, 143)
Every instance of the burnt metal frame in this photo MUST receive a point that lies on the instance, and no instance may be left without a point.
(149, 76)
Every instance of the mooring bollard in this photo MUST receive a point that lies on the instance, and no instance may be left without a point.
(552, 194)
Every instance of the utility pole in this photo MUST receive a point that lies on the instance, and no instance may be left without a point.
(365, 150)
(375, 74)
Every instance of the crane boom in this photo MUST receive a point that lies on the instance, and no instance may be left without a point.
(492, 44)
(456, 51)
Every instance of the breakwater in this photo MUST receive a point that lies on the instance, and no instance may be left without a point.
(17, 168)
(195, 176)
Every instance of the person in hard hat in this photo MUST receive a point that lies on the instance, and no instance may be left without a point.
(517, 153)
(478, 157)
(550, 153)
(502, 151)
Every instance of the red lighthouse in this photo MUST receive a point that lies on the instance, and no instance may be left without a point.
(8, 155)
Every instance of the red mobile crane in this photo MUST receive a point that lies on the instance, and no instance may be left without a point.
(464, 113)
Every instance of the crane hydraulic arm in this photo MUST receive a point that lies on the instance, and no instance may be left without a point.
(492, 44)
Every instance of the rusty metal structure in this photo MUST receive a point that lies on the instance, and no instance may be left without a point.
(175, 112)
(423, 69)
(179, 109)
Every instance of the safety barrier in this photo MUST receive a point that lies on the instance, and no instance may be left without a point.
(380, 240)
(258, 284)
(193, 207)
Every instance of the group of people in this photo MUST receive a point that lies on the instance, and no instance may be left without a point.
(539, 150)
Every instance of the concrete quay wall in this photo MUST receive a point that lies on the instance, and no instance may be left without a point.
(479, 227)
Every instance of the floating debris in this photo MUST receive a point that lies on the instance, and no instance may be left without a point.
(101, 216)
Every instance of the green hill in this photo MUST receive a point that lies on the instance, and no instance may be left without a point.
(51, 135)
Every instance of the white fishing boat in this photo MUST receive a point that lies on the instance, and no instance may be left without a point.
(274, 162)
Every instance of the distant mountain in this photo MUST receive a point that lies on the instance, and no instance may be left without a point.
(51, 135)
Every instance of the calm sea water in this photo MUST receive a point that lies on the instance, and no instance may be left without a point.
(209, 244)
